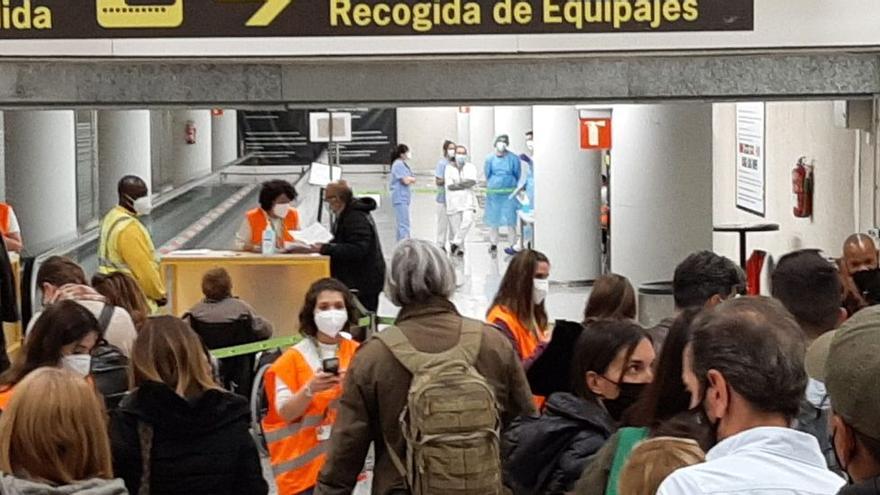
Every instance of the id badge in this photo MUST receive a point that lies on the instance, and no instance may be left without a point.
(323, 432)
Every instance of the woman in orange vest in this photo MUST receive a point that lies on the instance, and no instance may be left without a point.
(276, 211)
(63, 337)
(518, 309)
(10, 229)
(304, 385)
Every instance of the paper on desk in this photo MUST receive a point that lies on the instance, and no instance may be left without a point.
(313, 234)
(191, 252)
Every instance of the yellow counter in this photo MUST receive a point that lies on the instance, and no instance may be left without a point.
(274, 285)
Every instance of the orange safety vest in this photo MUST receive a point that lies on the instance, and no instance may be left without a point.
(5, 397)
(4, 217)
(526, 340)
(259, 220)
(297, 454)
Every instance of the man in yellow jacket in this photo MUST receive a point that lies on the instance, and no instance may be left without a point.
(126, 245)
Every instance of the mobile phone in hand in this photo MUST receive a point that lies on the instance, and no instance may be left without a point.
(330, 365)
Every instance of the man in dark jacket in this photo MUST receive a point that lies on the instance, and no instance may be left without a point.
(355, 252)
(376, 386)
(851, 372)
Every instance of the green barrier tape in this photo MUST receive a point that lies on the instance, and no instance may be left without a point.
(255, 347)
(385, 321)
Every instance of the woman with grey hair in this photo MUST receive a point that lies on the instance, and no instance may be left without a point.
(419, 271)
(421, 281)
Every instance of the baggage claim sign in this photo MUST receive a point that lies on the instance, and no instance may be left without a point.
(83, 19)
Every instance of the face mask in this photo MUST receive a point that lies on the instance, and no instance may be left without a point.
(501, 146)
(541, 287)
(143, 205)
(331, 321)
(280, 210)
(849, 480)
(81, 364)
(868, 282)
(450, 153)
(530, 145)
(461, 159)
(629, 394)
(409, 155)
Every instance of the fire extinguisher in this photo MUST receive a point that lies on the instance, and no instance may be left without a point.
(802, 187)
(190, 132)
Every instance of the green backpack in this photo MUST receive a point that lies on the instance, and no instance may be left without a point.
(451, 422)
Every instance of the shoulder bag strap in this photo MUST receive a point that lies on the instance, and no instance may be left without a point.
(105, 317)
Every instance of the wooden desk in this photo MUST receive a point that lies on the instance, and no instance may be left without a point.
(274, 285)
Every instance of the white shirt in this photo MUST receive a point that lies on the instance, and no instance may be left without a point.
(14, 227)
(465, 199)
(759, 461)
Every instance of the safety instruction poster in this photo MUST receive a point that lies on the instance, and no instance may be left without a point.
(751, 158)
(98, 19)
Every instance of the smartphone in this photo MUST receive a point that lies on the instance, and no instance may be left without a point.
(121, 14)
(330, 365)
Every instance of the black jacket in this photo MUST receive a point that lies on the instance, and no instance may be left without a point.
(869, 487)
(547, 454)
(355, 252)
(198, 447)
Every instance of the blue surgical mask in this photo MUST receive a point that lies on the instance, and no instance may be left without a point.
(461, 159)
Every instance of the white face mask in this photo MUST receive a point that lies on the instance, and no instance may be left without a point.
(143, 205)
(450, 153)
(331, 321)
(501, 146)
(409, 155)
(461, 159)
(81, 364)
(530, 145)
(280, 210)
(540, 290)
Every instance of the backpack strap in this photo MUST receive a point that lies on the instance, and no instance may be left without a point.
(626, 441)
(105, 317)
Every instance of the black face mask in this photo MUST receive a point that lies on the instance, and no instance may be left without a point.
(849, 480)
(868, 283)
(705, 428)
(629, 395)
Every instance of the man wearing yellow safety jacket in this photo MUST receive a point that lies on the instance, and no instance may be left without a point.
(126, 245)
(304, 385)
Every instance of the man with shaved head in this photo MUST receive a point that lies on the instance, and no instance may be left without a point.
(859, 254)
(125, 244)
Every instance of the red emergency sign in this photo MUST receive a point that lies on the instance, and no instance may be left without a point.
(595, 134)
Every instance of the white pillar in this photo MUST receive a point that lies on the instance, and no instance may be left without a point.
(661, 187)
(190, 161)
(224, 138)
(515, 122)
(482, 133)
(463, 128)
(567, 195)
(41, 177)
(123, 149)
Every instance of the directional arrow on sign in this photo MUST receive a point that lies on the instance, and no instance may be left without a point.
(268, 12)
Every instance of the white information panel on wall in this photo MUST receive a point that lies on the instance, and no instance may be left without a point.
(751, 191)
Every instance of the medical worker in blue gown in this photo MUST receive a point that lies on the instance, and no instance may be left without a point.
(502, 171)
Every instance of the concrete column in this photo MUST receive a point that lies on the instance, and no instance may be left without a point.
(123, 149)
(515, 122)
(41, 178)
(224, 138)
(567, 189)
(661, 188)
(463, 126)
(482, 132)
(190, 161)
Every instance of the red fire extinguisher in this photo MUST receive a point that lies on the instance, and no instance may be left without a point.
(190, 132)
(802, 187)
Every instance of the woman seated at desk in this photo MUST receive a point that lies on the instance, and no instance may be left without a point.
(276, 211)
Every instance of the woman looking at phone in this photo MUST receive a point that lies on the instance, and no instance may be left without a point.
(304, 384)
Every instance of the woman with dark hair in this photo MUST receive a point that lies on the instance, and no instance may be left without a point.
(63, 337)
(662, 410)
(402, 178)
(613, 298)
(122, 290)
(611, 365)
(518, 309)
(276, 211)
(304, 384)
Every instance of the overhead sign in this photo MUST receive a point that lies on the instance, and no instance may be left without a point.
(595, 133)
(751, 154)
(98, 19)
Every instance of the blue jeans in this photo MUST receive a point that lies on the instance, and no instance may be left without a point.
(401, 211)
